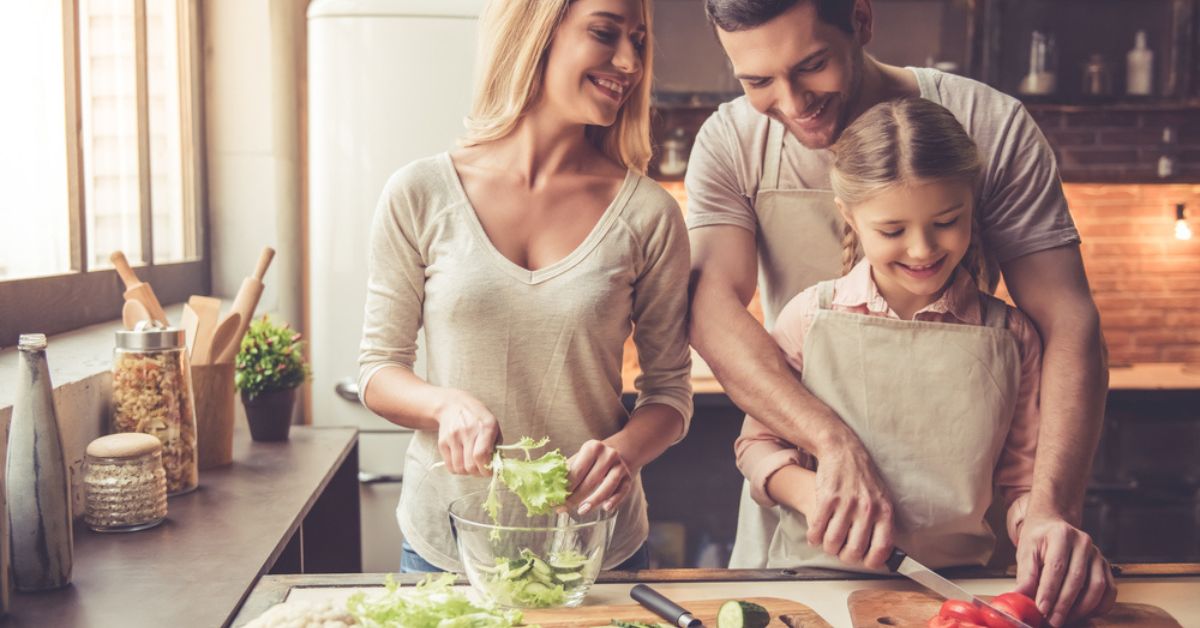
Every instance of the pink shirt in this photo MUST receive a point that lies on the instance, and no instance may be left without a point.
(761, 452)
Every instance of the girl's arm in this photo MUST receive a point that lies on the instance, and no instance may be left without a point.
(761, 454)
(795, 487)
(1014, 470)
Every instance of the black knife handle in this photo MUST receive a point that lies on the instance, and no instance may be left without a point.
(663, 607)
(893, 561)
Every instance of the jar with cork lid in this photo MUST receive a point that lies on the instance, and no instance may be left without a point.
(124, 483)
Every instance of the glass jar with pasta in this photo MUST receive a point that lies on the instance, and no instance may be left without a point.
(152, 394)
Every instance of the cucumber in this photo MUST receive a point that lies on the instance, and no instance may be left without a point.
(739, 614)
(516, 569)
(567, 563)
(540, 568)
(568, 579)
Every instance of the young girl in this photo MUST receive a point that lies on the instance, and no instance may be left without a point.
(527, 256)
(938, 379)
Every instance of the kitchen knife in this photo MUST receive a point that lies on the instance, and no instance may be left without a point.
(664, 607)
(903, 564)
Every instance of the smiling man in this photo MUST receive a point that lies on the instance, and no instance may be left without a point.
(760, 206)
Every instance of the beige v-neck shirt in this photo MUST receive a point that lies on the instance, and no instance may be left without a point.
(541, 349)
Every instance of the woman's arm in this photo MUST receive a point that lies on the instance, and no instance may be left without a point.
(602, 472)
(392, 316)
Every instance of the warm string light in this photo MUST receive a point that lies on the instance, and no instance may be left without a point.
(1183, 231)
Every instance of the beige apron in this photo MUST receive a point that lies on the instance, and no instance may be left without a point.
(932, 403)
(799, 244)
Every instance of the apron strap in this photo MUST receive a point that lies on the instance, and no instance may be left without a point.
(995, 312)
(770, 175)
(825, 294)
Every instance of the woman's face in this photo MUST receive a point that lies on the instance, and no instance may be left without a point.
(595, 60)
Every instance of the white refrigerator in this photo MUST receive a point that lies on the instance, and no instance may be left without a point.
(389, 81)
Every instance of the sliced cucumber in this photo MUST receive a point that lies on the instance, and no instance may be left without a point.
(739, 614)
(568, 579)
(541, 568)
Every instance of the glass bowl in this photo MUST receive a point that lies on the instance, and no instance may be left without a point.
(523, 561)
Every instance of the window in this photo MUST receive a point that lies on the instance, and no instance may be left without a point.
(100, 153)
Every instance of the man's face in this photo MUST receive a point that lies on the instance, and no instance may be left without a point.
(801, 71)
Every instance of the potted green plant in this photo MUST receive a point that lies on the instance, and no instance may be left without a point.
(269, 367)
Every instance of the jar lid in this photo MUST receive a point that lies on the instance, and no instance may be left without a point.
(150, 339)
(124, 445)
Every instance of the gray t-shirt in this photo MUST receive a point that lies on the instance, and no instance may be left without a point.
(542, 349)
(1021, 199)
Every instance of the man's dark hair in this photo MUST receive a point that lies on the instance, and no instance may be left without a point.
(740, 15)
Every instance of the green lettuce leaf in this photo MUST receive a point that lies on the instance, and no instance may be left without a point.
(431, 604)
(540, 483)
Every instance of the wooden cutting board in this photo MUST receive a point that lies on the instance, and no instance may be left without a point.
(871, 608)
(784, 614)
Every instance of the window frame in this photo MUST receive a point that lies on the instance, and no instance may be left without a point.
(57, 303)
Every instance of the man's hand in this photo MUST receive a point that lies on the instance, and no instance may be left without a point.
(853, 517)
(1062, 570)
(467, 433)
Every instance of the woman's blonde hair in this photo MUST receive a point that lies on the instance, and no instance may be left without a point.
(903, 141)
(515, 36)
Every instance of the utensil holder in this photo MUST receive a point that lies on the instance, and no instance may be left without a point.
(214, 395)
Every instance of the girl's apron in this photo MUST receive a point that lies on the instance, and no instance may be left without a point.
(932, 404)
(799, 243)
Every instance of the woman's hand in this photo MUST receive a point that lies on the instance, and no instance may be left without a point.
(598, 476)
(467, 433)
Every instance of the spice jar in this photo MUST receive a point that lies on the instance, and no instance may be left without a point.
(152, 394)
(124, 483)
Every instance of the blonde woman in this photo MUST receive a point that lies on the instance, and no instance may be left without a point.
(527, 256)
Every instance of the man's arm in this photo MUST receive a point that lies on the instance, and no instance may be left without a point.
(1054, 557)
(755, 375)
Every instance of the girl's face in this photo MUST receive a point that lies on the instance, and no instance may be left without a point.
(595, 60)
(914, 236)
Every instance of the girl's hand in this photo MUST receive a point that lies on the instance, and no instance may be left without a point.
(467, 433)
(598, 476)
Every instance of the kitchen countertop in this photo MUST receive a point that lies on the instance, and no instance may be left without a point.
(196, 567)
(1145, 376)
(1171, 587)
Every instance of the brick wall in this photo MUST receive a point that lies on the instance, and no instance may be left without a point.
(1121, 145)
(1146, 283)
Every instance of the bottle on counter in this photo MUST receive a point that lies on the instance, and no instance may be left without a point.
(36, 480)
(152, 394)
(1139, 73)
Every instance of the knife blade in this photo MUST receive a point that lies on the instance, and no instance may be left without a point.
(905, 565)
(664, 607)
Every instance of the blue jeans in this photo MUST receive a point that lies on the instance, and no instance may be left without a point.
(411, 561)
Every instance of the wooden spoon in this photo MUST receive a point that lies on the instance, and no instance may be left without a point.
(207, 309)
(137, 290)
(224, 335)
(132, 312)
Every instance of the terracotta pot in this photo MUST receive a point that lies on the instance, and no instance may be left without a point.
(270, 413)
